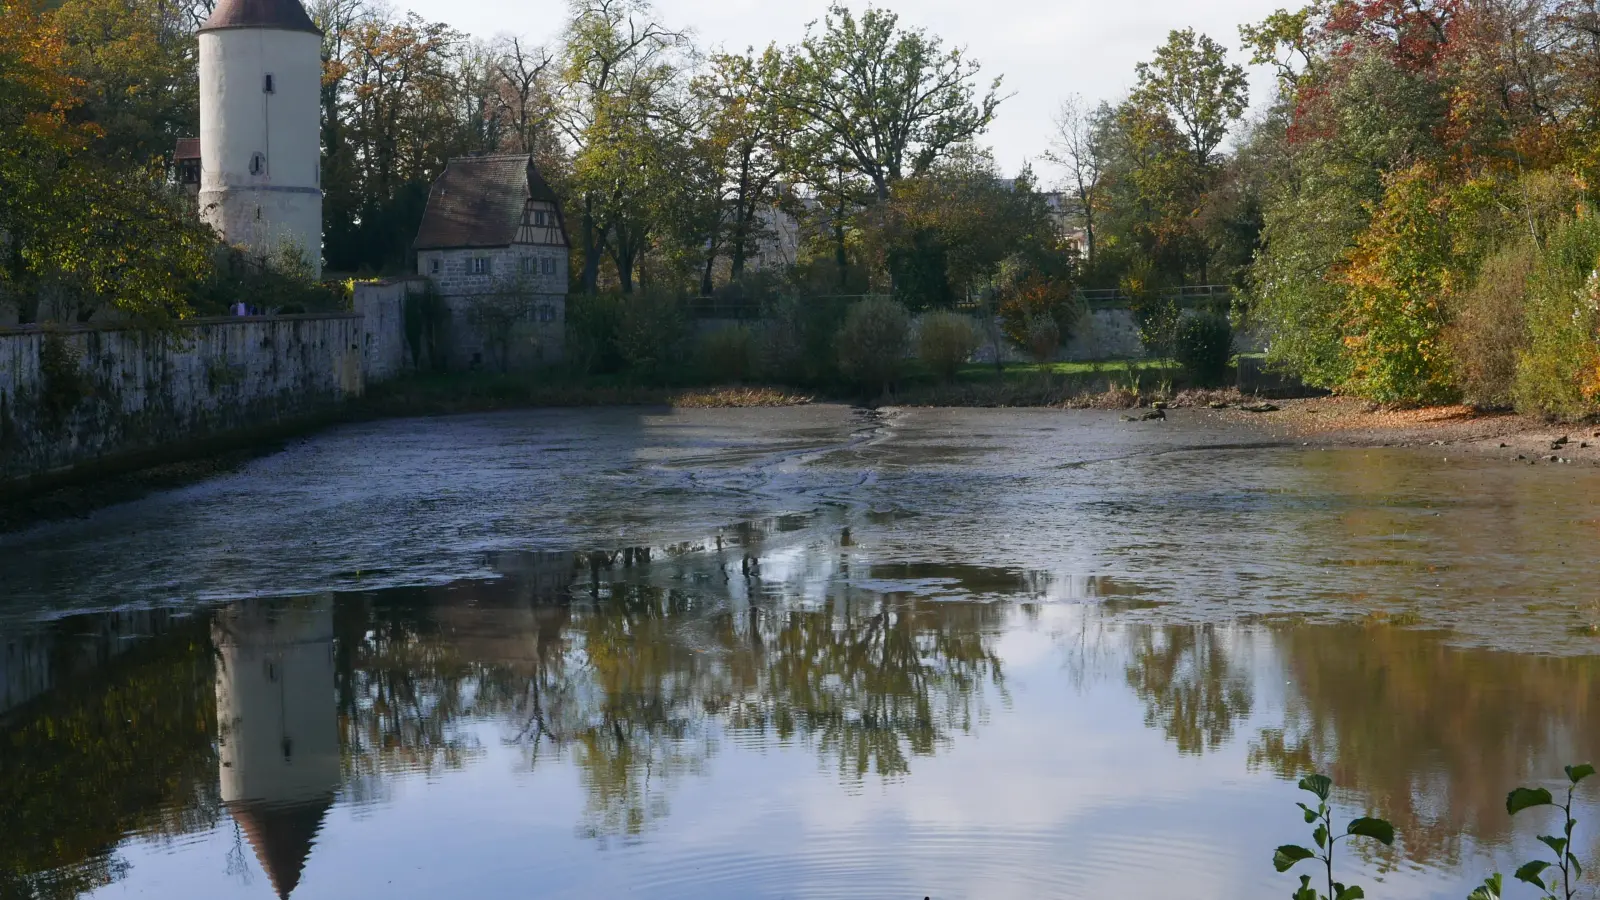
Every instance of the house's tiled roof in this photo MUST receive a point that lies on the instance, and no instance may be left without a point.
(478, 202)
(188, 148)
(283, 15)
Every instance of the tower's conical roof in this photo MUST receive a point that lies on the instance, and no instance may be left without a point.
(282, 835)
(283, 15)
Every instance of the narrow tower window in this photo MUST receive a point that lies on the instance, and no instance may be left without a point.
(266, 85)
(258, 164)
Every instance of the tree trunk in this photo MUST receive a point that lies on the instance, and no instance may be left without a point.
(591, 250)
(705, 276)
(840, 257)
(736, 268)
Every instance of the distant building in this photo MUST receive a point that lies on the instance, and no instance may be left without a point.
(494, 243)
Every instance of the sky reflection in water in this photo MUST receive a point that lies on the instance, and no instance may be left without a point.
(836, 699)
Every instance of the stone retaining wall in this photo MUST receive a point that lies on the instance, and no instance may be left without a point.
(79, 396)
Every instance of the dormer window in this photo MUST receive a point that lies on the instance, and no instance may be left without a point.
(266, 85)
(538, 218)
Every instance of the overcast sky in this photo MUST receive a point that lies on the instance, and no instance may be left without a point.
(1046, 49)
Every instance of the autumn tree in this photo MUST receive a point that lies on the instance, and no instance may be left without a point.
(84, 226)
(403, 95)
(1161, 149)
(136, 60)
(944, 235)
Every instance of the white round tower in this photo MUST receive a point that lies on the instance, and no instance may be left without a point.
(260, 127)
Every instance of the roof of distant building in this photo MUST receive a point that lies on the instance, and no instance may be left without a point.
(283, 15)
(188, 148)
(478, 202)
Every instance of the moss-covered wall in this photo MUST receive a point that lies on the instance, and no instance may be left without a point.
(78, 396)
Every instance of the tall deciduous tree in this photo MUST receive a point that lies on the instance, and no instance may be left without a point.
(619, 70)
(887, 101)
(746, 133)
(1081, 147)
(1192, 82)
(136, 60)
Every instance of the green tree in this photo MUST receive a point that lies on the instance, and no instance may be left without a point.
(620, 78)
(884, 101)
(746, 136)
(136, 60)
(1201, 93)
(91, 231)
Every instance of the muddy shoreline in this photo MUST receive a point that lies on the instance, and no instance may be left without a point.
(1345, 422)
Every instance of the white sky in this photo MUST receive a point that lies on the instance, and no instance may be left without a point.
(1046, 49)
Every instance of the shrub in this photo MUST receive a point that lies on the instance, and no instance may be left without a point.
(1156, 314)
(945, 341)
(1030, 297)
(1558, 375)
(1490, 330)
(426, 320)
(727, 354)
(650, 328)
(1203, 347)
(1042, 338)
(873, 341)
(1395, 276)
(796, 344)
(592, 323)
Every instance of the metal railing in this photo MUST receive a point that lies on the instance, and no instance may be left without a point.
(1196, 296)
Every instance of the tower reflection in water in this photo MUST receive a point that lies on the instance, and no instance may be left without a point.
(277, 728)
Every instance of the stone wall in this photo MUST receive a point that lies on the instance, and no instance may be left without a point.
(382, 308)
(507, 312)
(116, 395)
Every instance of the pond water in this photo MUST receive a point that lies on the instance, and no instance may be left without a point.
(811, 652)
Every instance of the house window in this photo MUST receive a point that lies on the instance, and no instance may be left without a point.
(547, 313)
(480, 265)
(433, 266)
(538, 218)
(189, 171)
(527, 265)
(548, 266)
(258, 163)
(266, 85)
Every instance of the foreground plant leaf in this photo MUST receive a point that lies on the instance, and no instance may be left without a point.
(1527, 798)
(1288, 855)
(1377, 829)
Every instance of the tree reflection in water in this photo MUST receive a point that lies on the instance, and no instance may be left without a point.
(636, 676)
(1189, 684)
(118, 741)
(1429, 735)
(638, 683)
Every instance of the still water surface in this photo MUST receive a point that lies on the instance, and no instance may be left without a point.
(793, 653)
